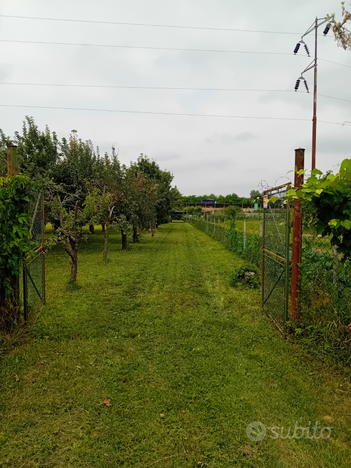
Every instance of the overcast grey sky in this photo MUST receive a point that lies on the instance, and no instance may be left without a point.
(206, 154)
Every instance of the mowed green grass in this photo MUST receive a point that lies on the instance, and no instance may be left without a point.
(158, 331)
(252, 226)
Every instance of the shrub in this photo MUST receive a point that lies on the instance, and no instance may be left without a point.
(232, 211)
(193, 209)
(246, 276)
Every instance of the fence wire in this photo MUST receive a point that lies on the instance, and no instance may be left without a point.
(37, 210)
(276, 258)
(34, 269)
(34, 284)
(242, 235)
(325, 291)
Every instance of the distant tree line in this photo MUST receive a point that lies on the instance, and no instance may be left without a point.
(255, 196)
(83, 187)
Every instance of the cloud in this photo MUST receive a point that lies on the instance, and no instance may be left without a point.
(165, 156)
(245, 136)
(5, 71)
(334, 145)
(228, 139)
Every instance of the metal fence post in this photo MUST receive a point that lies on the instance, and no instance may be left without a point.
(335, 265)
(25, 294)
(244, 234)
(287, 259)
(263, 246)
(297, 239)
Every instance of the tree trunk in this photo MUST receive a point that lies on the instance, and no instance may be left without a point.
(135, 235)
(71, 248)
(124, 240)
(103, 227)
(74, 266)
(92, 228)
(106, 231)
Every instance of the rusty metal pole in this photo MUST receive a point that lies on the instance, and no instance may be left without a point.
(297, 239)
(314, 120)
(11, 160)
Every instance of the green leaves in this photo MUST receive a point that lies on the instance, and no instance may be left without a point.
(316, 172)
(15, 222)
(328, 198)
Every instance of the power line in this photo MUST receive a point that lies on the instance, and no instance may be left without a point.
(166, 88)
(177, 49)
(332, 97)
(335, 63)
(171, 88)
(164, 113)
(153, 25)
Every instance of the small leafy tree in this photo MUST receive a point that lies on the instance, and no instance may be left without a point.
(71, 218)
(232, 211)
(256, 196)
(102, 206)
(163, 179)
(107, 192)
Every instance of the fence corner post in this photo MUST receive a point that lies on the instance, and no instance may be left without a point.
(12, 168)
(297, 239)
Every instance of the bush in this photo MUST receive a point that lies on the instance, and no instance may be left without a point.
(193, 209)
(232, 211)
(246, 276)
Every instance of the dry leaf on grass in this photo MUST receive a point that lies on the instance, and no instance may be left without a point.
(162, 415)
(17, 378)
(106, 403)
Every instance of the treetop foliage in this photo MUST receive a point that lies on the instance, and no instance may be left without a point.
(231, 198)
(327, 204)
(82, 187)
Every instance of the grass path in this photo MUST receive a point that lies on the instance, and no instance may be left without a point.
(157, 331)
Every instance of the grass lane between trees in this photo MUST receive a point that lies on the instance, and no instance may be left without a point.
(185, 361)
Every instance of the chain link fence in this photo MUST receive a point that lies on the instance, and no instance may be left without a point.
(34, 269)
(242, 235)
(276, 264)
(325, 291)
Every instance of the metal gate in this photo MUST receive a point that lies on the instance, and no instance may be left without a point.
(276, 257)
(34, 269)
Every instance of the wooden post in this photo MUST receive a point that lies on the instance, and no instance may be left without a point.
(297, 240)
(12, 165)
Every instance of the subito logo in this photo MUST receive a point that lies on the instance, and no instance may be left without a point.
(256, 431)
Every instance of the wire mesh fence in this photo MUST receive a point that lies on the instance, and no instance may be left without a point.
(34, 269)
(37, 210)
(276, 257)
(242, 235)
(325, 291)
(276, 265)
(324, 281)
(34, 284)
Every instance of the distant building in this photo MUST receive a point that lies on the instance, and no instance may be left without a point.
(210, 202)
